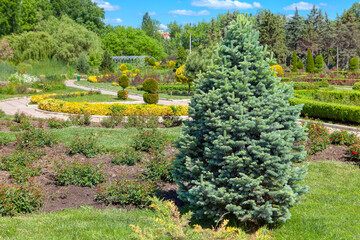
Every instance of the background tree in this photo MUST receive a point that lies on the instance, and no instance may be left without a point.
(181, 55)
(106, 63)
(150, 26)
(83, 64)
(309, 62)
(9, 17)
(294, 29)
(236, 156)
(294, 62)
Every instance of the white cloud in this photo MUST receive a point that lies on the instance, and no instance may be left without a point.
(152, 13)
(106, 5)
(225, 4)
(116, 20)
(189, 12)
(304, 6)
(162, 26)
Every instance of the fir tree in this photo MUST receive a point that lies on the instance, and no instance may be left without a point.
(83, 64)
(319, 63)
(294, 30)
(106, 63)
(309, 62)
(294, 62)
(236, 155)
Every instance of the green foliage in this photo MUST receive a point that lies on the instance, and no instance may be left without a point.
(300, 65)
(158, 166)
(123, 95)
(318, 138)
(343, 137)
(354, 152)
(35, 137)
(150, 85)
(127, 156)
(237, 160)
(58, 123)
(305, 85)
(145, 140)
(356, 86)
(181, 55)
(19, 199)
(81, 119)
(111, 122)
(124, 81)
(106, 63)
(85, 145)
(319, 64)
(151, 98)
(80, 174)
(70, 38)
(332, 111)
(347, 97)
(354, 64)
(32, 46)
(24, 68)
(10, 17)
(142, 122)
(309, 62)
(127, 41)
(294, 62)
(124, 192)
(20, 117)
(6, 70)
(83, 64)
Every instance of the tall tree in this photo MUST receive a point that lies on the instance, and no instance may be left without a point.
(150, 26)
(271, 28)
(236, 156)
(10, 17)
(294, 29)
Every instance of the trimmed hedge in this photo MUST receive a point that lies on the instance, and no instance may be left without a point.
(170, 88)
(356, 86)
(151, 98)
(124, 81)
(123, 95)
(347, 97)
(305, 85)
(150, 85)
(332, 111)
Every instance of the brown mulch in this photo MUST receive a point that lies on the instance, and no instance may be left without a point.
(58, 198)
(332, 153)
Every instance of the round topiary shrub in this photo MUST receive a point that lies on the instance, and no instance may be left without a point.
(124, 81)
(151, 98)
(123, 67)
(354, 64)
(123, 95)
(356, 86)
(150, 85)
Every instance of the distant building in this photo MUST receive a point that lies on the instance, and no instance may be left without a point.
(165, 35)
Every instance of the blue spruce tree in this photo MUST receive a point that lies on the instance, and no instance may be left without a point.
(236, 156)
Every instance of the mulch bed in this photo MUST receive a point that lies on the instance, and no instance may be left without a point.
(332, 153)
(58, 198)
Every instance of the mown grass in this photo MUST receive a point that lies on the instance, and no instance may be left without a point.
(109, 86)
(330, 210)
(96, 98)
(110, 139)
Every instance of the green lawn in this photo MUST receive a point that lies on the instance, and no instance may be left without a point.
(330, 210)
(96, 98)
(109, 138)
(109, 86)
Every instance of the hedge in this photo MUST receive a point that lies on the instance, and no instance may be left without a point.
(335, 96)
(331, 111)
(55, 105)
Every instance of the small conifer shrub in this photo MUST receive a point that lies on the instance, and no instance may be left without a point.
(294, 62)
(236, 156)
(354, 64)
(106, 63)
(319, 64)
(83, 64)
(309, 62)
(300, 65)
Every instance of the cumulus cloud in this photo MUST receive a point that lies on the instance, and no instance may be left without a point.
(189, 12)
(116, 20)
(162, 26)
(106, 5)
(303, 6)
(152, 13)
(225, 4)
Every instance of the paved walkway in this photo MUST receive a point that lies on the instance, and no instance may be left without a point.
(138, 98)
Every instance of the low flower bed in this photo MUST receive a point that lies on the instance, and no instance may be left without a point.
(38, 98)
(55, 105)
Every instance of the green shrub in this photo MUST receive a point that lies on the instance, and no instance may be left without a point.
(20, 117)
(22, 174)
(106, 63)
(322, 83)
(319, 64)
(24, 68)
(83, 64)
(35, 137)
(354, 152)
(346, 97)
(124, 81)
(356, 86)
(309, 62)
(85, 145)
(127, 156)
(318, 137)
(158, 166)
(304, 85)
(300, 65)
(150, 85)
(151, 98)
(294, 62)
(19, 158)
(145, 140)
(354, 64)
(80, 174)
(19, 199)
(81, 119)
(58, 123)
(123, 95)
(125, 192)
(111, 122)
(4, 140)
(142, 122)
(331, 111)
(343, 138)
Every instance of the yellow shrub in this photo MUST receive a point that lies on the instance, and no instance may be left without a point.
(154, 68)
(179, 74)
(123, 67)
(157, 64)
(55, 105)
(172, 64)
(279, 70)
(38, 98)
(115, 84)
(92, 79)
(137, 70)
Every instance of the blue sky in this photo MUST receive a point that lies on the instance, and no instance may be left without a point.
(130, 12)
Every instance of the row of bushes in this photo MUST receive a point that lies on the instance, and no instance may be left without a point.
(104, 109)
(169, 88)
(336, 96)
(38, 98)
(332, 111)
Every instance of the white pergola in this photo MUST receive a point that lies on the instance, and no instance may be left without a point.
(129, 59)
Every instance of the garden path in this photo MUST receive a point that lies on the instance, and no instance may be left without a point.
(138, 98)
